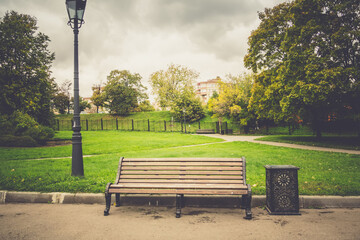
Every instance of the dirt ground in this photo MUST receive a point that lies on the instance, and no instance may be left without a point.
(62, 221)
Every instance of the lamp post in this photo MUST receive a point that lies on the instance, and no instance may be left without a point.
(76, 9)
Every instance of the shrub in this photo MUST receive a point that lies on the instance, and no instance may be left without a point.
(17, 141)
(21, 125)
(6, 127)
(40, 133)
(22, 122)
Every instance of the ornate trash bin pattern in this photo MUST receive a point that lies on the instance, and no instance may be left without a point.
(282, 190)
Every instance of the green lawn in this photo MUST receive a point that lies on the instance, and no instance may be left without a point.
(342, 142)
(321, 173)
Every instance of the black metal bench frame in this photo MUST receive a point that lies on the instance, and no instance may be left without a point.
(193, 176)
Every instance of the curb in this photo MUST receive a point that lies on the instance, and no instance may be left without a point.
(169, 200)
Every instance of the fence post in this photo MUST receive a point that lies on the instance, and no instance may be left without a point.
(148, 125)
(165, 125)
(132, 124)
(102, 126)
(117, 124)
(87, 125)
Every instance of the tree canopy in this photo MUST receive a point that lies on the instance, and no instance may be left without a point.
(174, 88)
(307, 55)
(98, 99)
(169, 85)
(233, 100)
(25, 61)
(123, 92)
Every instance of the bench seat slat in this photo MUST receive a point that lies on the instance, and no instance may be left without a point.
(190, 181)
(182, 160)
(238, 177)
(179, 185)
(178, 191)
(180, 168)
(168, 172)
(202, 163)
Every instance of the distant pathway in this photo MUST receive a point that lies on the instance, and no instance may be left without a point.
(232, 138)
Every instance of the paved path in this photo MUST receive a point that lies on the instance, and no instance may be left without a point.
(232, 138)
(71, 221)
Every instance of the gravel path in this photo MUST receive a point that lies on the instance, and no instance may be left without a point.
(82, 221)
(231, 138)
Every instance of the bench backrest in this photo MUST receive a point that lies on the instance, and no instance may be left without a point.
(182, 175)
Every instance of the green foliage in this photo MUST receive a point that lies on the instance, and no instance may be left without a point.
(61, 102)
(307, 52)
(98, 99)
(61, 99)
(188, 106)
(146, 106)
(174, 88)
(169, 85)
(21, 124)
(17, 141)
(233, 100)
(40, 133)
(25, 81)
(6, 126)
(123, 92)
(83, 104)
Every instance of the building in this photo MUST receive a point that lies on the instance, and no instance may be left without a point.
(206, 89)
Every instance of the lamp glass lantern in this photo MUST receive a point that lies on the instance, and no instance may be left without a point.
(76, 10)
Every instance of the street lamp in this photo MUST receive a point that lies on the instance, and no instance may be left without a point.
(76, 9)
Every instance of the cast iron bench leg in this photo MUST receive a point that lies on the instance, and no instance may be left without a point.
(107, 200)
(247, 204)
(117, 196)
(178, 204)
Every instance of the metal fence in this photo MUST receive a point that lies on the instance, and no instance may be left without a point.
(147, 125)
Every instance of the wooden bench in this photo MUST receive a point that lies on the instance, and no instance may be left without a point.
(196, 176)
(205, 131)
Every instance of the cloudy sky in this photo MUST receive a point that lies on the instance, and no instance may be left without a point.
(144, 36)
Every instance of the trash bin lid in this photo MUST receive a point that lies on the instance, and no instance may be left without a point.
(281, 167)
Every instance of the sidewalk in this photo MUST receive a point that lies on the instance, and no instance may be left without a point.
(232, 138)
(72, 221)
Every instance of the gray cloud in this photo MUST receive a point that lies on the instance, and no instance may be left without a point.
(145, 36)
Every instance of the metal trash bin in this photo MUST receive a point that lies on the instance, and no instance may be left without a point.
(282, 190)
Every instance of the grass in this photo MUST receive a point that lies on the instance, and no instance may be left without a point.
(342, 142)
(106, 142)
(321, 173)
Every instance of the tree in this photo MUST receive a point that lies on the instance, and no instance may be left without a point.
(98, 99)
(123, 92)
(25, 61)
(233, 100)
(145, 106)
(83, 104)
(169, 85)
(62, 99)
(61, 102)
(192, 106)
(308, 54)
